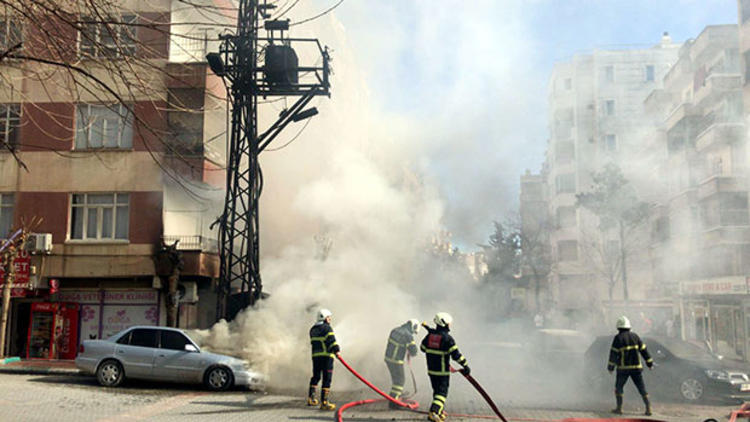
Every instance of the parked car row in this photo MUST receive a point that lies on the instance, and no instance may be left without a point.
(162, 354)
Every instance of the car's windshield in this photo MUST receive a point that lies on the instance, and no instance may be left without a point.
(681, 349)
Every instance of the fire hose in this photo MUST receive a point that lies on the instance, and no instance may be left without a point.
(413, 406)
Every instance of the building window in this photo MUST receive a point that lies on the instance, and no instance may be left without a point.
(650, 73)
(609, 73)
(733, 209)
(565, 152)
(6, 214)
(10, 120)
(567, 250)
(609, 142)
(566, 217)
(11, 32)
(568, 84)
(114, 39)
(565, 183)
(103, 126)
(99, 216)
(609, 107)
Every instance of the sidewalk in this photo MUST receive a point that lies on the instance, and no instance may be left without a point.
(38, 367)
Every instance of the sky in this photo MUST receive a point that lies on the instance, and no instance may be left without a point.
(464, 84)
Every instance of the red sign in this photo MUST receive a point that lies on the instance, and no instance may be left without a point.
(23, 271)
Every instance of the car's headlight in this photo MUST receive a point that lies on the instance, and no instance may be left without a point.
(717, 375)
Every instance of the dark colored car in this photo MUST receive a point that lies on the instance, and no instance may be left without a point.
(682, 370)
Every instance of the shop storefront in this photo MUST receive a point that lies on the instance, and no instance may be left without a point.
(716, 312)
(106, 312)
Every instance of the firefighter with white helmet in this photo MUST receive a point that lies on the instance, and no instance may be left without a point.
(324, 348)
(624, 356)
(439, 347)
(400, 342)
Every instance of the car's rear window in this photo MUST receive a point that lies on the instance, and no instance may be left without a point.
(143, 337)
(173, 340)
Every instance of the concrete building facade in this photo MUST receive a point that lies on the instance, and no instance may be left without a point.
(596, 117)
(110, 182)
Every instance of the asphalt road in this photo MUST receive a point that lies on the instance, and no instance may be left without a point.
(78, 398)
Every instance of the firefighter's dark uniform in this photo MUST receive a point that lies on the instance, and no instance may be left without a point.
(439, 347)
(400, 341)
(624, 356)
(324, 348)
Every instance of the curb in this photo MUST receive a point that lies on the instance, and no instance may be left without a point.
(10, 360)
(20, 370)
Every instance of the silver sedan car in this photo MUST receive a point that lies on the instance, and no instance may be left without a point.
(162, 354)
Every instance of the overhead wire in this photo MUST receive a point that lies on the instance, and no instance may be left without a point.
(330, 9)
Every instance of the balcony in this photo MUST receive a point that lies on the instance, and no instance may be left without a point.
(717, 183)
(681, 112)
(192, 243)
(716, 85)
(726, 235)
(719, 134)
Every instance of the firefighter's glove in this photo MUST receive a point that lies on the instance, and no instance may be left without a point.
(338, 355)
(466, 371)
(650, 365)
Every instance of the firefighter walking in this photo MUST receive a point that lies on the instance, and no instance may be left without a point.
(624, 356)
(400, 342)
(439, 347)
(324, 348)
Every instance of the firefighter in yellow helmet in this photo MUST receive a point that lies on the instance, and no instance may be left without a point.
(324, 348)
(439, 347)
(626, 347)
(400, 342)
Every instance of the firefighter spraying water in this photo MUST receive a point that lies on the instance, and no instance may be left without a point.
(324, 348)
(439, 347)
(400, 343)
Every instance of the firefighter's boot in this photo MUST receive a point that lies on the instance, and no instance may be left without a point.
(647, 402)
(311, 400)
(435, 417)
(618, 410)
(324, 403)
(395, 396)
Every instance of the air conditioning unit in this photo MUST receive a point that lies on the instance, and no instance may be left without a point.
(188, 291)
(39, 242)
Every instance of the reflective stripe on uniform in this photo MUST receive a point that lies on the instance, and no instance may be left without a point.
(438, 372)
(398, 362)
(639, 366)
(330, 355)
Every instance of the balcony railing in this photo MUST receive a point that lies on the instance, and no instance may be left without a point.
(192, 243)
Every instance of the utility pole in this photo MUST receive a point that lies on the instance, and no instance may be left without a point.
(255, 66)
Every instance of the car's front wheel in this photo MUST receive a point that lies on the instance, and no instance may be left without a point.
(691, 389)
(218, 378)
(110, 373)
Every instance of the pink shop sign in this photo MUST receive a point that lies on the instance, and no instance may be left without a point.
(117, 318)
(131, 297)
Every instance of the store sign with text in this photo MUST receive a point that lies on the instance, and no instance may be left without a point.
(716, 286)
(23, 271)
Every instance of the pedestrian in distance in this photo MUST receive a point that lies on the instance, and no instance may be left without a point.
(624, 355)
(400, 345)
(439, 347)
(324, 348)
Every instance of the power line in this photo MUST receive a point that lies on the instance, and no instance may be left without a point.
(293, 138)
(330, 9)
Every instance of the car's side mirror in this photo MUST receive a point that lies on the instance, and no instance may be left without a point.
(191, 348)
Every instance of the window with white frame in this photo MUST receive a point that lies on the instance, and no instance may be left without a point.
(10, 120)
(11, 33)
(111, 39)
(609, 73)
(103, 126)
(609, 142)
(99, 216)
(6, 214)
(650, 73)
(609, 108)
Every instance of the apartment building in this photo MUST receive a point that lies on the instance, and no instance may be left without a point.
(109, 182)
(596, 117)
(700, 231)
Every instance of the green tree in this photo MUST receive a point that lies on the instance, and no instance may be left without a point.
(614, 200)
(503, 253)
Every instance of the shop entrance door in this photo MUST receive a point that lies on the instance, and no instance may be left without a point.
(725, 340)
(21, 312)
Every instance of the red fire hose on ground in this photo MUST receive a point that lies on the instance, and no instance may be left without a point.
(413, 406)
